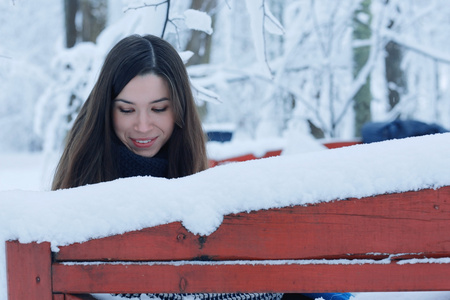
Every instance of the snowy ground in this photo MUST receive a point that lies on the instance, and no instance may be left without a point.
(32, 172)
(26, 171)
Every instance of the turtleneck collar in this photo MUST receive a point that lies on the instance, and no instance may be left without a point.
(131, 164)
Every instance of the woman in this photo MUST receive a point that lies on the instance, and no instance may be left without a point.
(115, 135)
(140, 119)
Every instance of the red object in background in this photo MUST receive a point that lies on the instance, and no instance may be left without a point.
(340, 144)
(213, 163)
(329, 145)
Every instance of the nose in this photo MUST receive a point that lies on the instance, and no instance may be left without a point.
(144, 123)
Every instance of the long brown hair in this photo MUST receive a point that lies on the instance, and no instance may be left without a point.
(88, 156)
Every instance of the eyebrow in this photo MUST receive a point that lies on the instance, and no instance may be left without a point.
(151, 102)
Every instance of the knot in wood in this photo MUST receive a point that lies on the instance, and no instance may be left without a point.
(201, 241)
(182, 285)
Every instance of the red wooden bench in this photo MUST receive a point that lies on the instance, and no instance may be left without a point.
(271, 153)
(352, 245)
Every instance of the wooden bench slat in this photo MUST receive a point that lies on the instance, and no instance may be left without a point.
(245, 157)
(29, 271)
(250, 156)
(292, 278)
(340, 144)
(411, 222)
(59, 297)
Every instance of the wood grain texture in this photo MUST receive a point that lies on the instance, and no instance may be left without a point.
(137, 278)
(411, 222)
(28, 269)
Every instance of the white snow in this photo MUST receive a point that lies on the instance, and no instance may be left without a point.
(200, 201)
(21, 171)
(250, 101)
(257, 15)
(198, 20)
(235, 148)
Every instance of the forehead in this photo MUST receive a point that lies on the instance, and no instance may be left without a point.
(145, 88)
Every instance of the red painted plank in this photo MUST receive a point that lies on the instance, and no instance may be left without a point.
(273, 153)
(329, 145)
(79, 297)
(137, 278)
(412, 222)
(213, 163)
(58, 297)
(333, 145)
(28, 271)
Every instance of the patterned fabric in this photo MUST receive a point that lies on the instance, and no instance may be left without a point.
(130, 164)
(240, 296)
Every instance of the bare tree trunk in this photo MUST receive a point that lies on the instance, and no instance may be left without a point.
(94, 17)
(363, 97)
(200, 42)
(70, 11)
(395, 78)
(394, 74)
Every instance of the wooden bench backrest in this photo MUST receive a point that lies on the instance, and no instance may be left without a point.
(342, 246)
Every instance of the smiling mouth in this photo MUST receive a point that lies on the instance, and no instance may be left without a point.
(143, 143)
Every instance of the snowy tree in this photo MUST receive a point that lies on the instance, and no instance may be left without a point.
(311, 79)
(25, 55)
(74, 70)
(276, 66)
(420, 30)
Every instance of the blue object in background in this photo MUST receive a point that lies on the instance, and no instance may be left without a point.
(329, 296)
(219, 136)
(398, 129)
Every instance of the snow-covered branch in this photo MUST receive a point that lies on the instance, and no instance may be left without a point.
(261, 20)
(144, 4)
(414, 46)
(155, 5)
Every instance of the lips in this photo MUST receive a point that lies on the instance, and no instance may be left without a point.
(143, 143)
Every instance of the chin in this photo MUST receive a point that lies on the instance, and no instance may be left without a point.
(145, 154)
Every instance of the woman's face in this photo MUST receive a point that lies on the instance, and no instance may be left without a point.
(143, 116)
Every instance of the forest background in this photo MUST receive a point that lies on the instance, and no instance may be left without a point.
(262, 68)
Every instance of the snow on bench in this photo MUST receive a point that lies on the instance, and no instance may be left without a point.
(269, 225)
(394, 242)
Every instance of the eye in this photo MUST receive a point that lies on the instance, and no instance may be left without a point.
(126, 110)
(160, 109)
